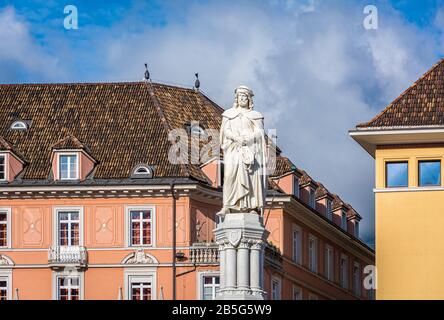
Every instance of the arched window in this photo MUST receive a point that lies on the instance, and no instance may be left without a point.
(197, 130)
(142, 171)
(19, 125)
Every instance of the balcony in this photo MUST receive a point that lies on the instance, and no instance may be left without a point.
(60, 257)
(204, 253)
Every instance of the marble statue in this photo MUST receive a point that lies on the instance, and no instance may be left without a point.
(243, 143)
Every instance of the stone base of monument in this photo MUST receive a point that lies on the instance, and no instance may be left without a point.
(241, 238)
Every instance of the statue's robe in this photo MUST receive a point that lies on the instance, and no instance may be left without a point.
(244, 184)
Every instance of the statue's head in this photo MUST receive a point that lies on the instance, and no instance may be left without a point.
(243, 98)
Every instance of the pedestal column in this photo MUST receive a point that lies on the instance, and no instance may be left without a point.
(240, 237)
(243, 266)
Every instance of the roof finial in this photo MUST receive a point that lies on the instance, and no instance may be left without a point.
(197, 82)
(147, 73)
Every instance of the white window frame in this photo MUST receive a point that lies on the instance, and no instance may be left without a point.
(296, 192)
(7, 275)
(140, 274)
(67, 274)
(297, 250)
(344, 220)
(329, 263)
(313, 254)
(277, 280)
(201, 284)
(344, 278)
(59, 166)
(357, 281)
(19, 125)
(297, 289)
(8, 227)
(311, 198)
(56, 225)
(328, 209)
(5, 159)
(128, 209)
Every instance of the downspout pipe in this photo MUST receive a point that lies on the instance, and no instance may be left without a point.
(173, 225)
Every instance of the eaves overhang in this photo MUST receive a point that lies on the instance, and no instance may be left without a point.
(370, 138)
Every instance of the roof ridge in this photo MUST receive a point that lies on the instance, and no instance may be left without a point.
(441, 61)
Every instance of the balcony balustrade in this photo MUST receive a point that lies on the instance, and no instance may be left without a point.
(65, 256)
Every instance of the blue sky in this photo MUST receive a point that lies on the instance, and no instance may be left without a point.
(315, 70)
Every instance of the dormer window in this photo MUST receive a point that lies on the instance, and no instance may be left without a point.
(311, 198)
(142, 172)
(344, 220)
(19, 125)
(2, 167)
(329, 210)
(68, 167)
(296, 186)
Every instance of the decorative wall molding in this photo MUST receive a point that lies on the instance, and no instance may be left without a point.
(139, 257)
(5, 260)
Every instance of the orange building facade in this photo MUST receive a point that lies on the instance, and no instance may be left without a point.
(92, 208)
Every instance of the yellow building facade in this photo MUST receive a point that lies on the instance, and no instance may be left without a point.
(407, 142)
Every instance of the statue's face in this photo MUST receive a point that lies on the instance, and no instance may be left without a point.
(243, 100)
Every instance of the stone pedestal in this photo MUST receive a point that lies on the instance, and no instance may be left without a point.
(241, 238)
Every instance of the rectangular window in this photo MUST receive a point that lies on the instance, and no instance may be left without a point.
(297, 244)
(210, 287)
(297, 293)
(344, 272)
(140, 288)
(3, 229)
(312, 202)
(396, 174)
(357, 279)
(68, 167)
(140, 227)
(429, 173)
(344, 220)
(68, 288)
(2, 167)
(3, 289)
(276, 289)
(329, 263)
(69, 228)
(313, 254)
(329, 211)
(296, 186)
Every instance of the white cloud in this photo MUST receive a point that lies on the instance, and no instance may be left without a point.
(19, 52)
(315, 70)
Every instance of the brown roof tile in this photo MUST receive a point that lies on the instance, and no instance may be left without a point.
(118, 121)
(420, 105)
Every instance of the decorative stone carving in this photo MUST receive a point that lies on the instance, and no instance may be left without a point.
(234, 237)
(139, 257)
(5, 261)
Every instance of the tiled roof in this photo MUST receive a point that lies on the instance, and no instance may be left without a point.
(321, 191)
(69, 142)
(123, 124)
(420, 105)
(283, 166)
(5, 145)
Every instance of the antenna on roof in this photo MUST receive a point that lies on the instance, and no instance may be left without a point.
(147, 73)
(197, 82)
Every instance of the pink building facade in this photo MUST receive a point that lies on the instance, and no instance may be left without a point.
(91, 207)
